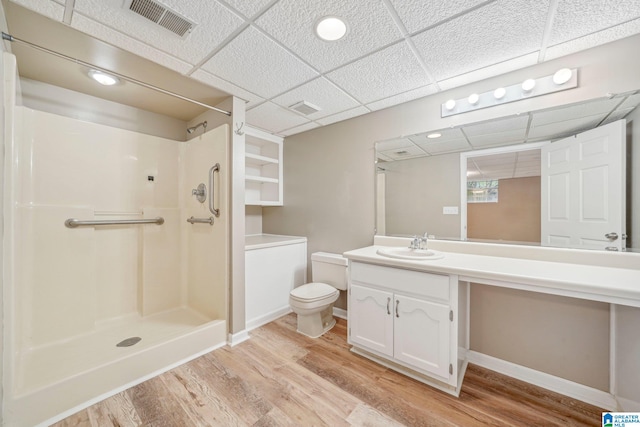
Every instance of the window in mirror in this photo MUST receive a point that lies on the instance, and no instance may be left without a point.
(482, 191)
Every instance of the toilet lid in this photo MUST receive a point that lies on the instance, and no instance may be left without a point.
(313, 291)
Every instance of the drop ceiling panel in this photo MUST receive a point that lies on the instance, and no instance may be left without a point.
(355, 112)
(407, 96)
(577, 18)
(489, 35)
(497, 139)
(248, 8)
(214, 23)
(292, 23)
(321, 93)
(448, 146)
(417, 15)
(564, 128)
(617, 115)
(208, 78)
(117, 38)
(299, 129)
(393, 144)
(378, 76)
(259, 65)
(405, 153)
(446, 135)
(631, 102)
(273, 118)
(517, 123)
(595, 39)
(599, 107)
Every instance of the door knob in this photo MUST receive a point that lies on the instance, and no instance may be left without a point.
(611, 236)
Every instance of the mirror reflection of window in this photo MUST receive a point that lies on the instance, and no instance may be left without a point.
(482, 191)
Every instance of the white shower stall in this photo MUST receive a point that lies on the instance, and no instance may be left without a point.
(94, 308)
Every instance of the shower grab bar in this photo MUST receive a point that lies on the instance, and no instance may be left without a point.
(73, 222)
(193, 220)
(214, 168)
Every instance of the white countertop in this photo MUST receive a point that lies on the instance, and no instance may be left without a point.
(260, 241)
(598, 283)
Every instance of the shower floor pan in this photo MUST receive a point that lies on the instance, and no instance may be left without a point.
(68, 375)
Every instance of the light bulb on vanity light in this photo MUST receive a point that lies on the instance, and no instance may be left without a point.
(473, 98)
(528, 85)
(499, 93)
(562, 76)
(450, 104)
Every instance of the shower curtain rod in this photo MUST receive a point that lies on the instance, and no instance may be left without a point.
(11, 38)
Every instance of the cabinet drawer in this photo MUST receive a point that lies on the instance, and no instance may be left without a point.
(435, 286)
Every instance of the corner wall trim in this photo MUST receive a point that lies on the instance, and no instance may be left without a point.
(550, 382)
(237, 338)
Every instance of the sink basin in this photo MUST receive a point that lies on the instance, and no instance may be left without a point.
(411, 254)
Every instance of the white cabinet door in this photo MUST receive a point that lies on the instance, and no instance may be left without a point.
(370, 319)
(421, 330)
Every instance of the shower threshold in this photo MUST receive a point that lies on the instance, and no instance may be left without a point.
(69, 374)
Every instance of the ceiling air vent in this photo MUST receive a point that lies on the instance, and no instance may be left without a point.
(305, 108)
(161, 15)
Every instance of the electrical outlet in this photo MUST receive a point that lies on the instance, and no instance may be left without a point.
(450, 210)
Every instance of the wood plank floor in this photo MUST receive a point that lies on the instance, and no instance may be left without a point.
(281, 378)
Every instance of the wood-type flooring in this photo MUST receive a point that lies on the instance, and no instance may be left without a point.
(282, 378)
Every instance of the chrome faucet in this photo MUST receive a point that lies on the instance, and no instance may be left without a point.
(419, 242)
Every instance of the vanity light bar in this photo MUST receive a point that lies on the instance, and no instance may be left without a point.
(562, 80)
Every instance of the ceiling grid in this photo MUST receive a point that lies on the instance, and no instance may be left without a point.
(395, 51)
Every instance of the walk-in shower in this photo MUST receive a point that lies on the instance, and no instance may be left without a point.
(109, 281)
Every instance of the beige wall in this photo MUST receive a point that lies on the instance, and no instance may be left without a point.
(416, 190)
(329, 182)
(515, 217)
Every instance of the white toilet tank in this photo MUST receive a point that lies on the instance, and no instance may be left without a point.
(330, 269)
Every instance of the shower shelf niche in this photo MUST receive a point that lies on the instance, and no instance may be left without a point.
(263, 168)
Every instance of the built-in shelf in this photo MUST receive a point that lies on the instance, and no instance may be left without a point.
(255, 159)
(260, 179)
(263, 168)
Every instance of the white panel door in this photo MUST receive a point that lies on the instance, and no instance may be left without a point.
(583, 189)
(370, 319)
(422, 334)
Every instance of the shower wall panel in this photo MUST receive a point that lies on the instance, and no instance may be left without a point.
(207, 252)
(75, 280)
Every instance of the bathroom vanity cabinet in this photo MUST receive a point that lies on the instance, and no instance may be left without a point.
(409, 321)
(263, 168)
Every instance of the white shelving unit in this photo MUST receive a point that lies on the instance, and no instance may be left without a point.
(263, 164)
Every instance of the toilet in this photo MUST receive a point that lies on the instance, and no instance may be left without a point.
(313, 302)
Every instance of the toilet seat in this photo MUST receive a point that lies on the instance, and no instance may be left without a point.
(313, 292)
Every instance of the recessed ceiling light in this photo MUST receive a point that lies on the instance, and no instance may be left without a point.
(434, 135)
(562, 76)
(331, 28)
(103, 78)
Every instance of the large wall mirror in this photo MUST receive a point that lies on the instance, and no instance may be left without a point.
(490, 181)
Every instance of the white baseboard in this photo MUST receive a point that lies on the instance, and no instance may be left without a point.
(237, 338)
(627, 405)
(550, 382)
(339, 312)
(266, 318)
